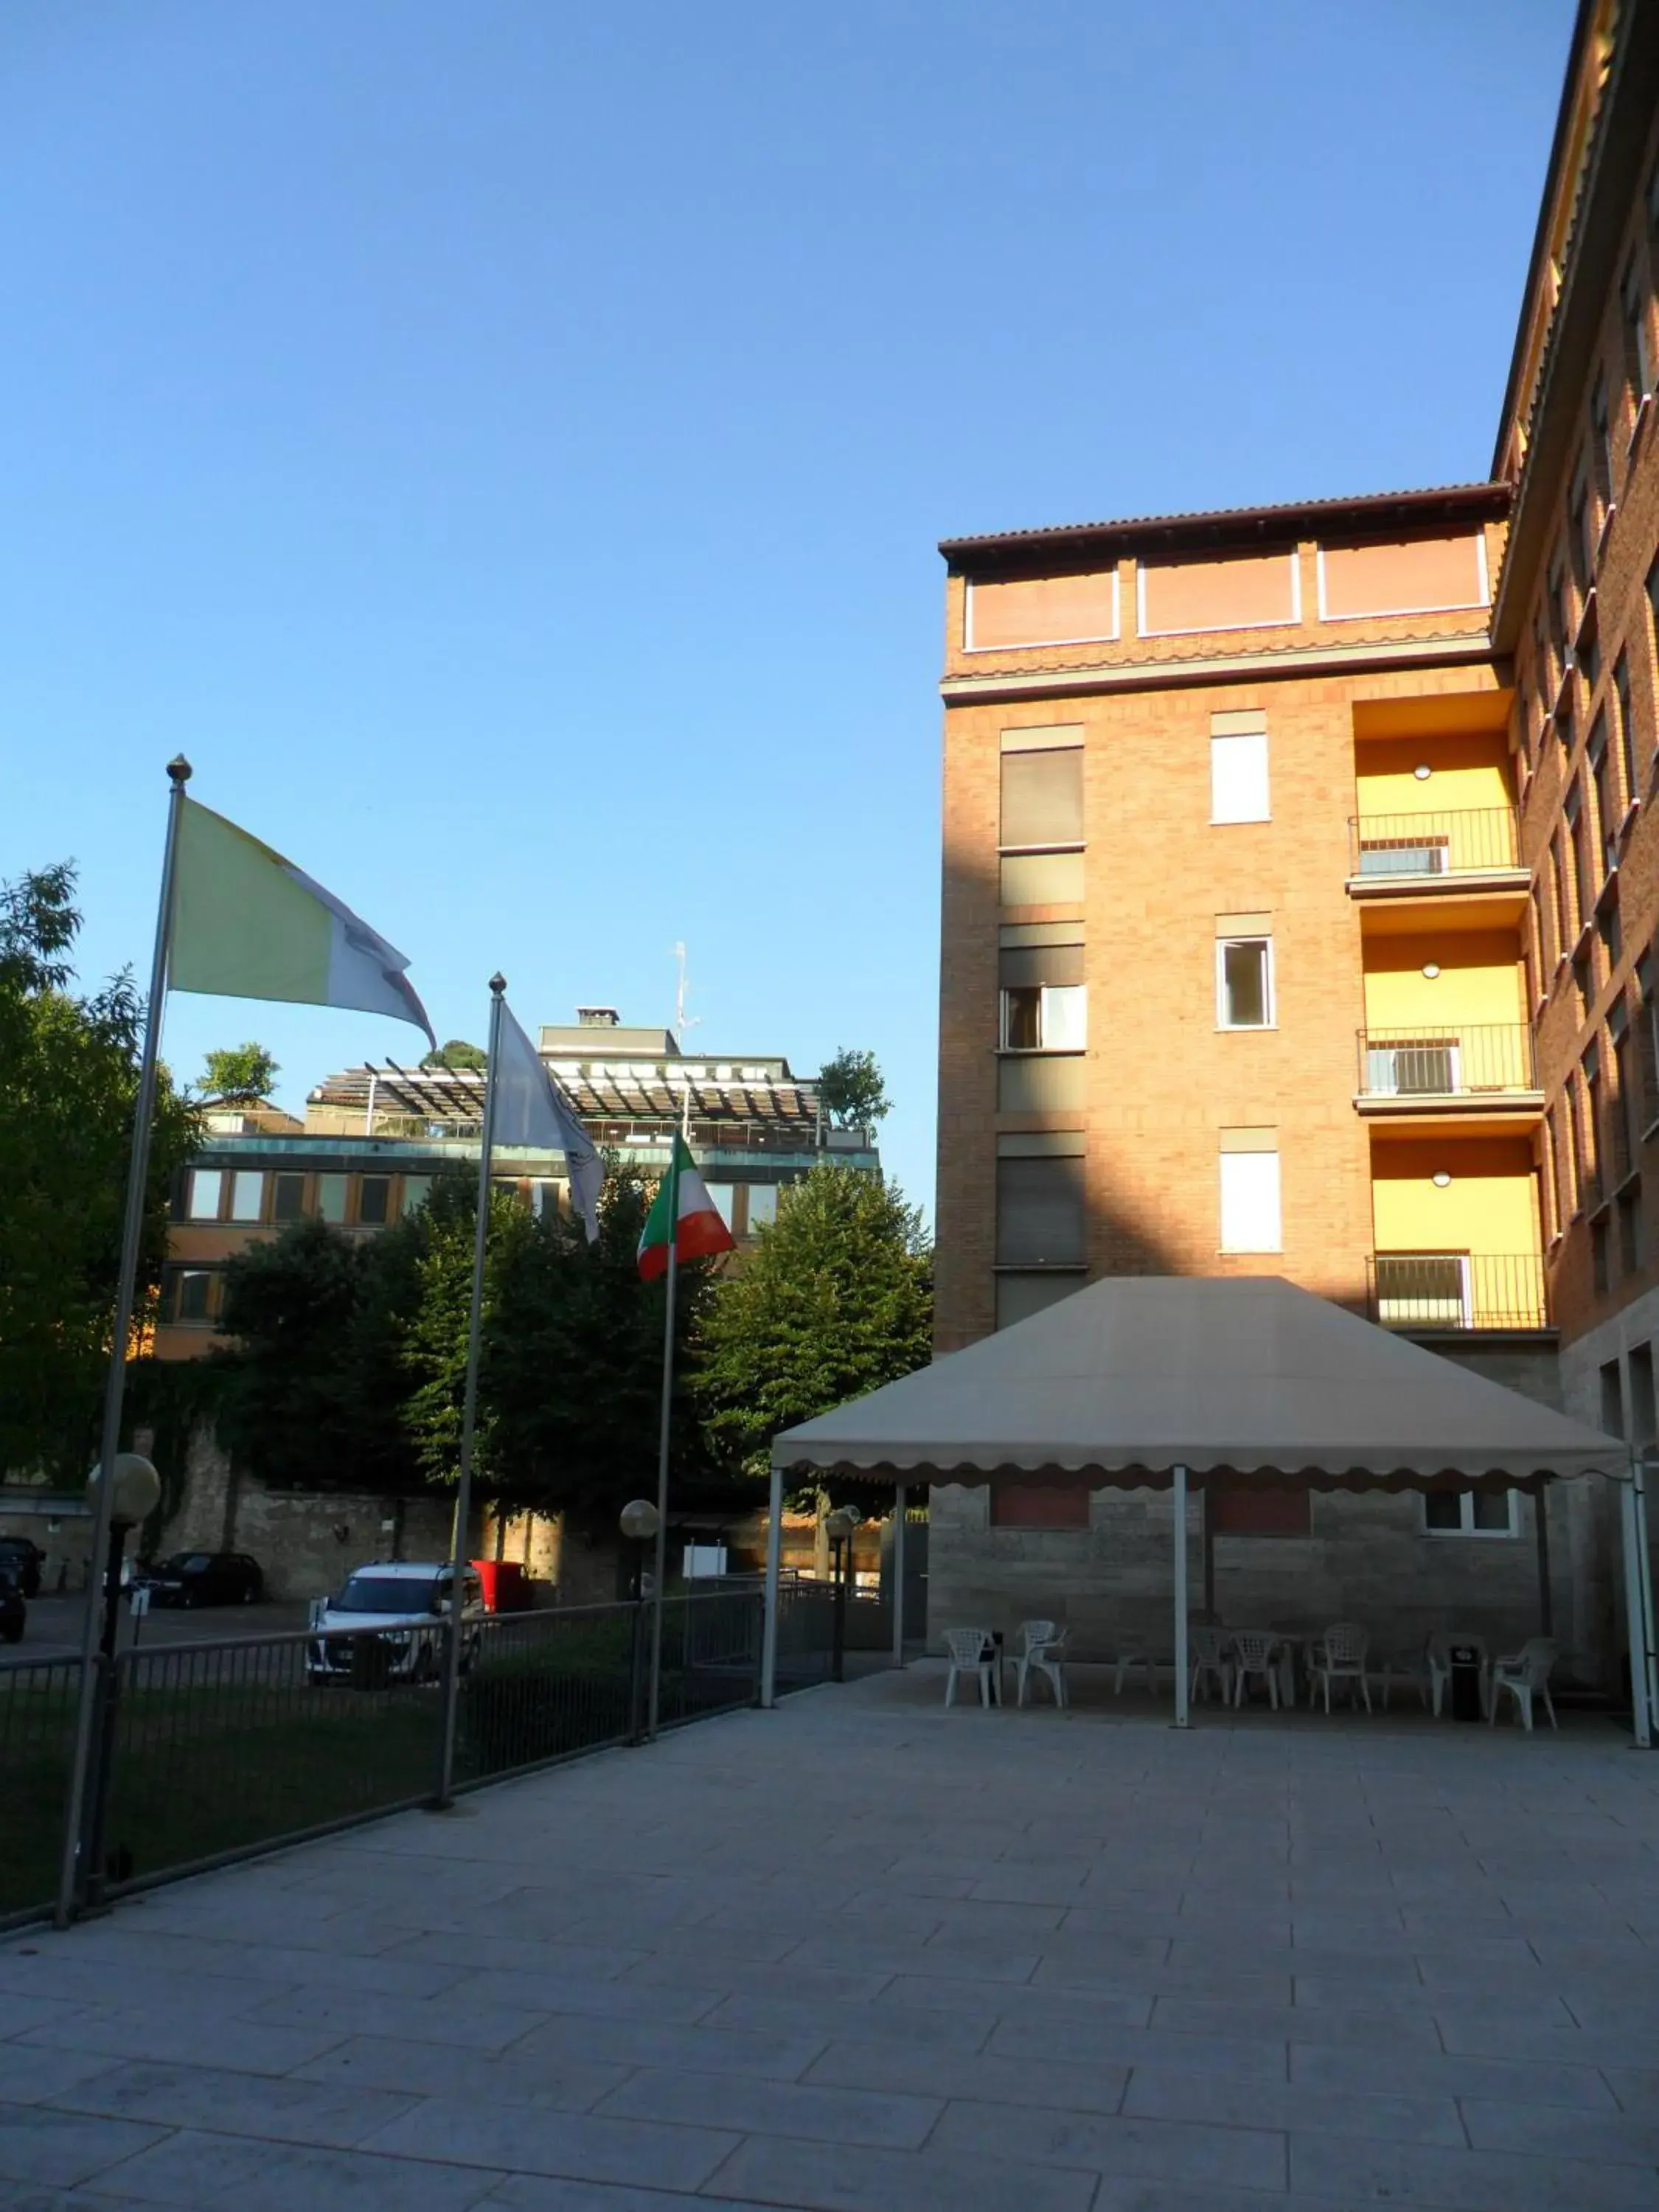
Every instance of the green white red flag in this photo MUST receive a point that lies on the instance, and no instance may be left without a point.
(682, 1199)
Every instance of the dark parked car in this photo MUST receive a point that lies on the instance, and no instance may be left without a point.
(20, 1558)
(13, 1611)
(202, 1578)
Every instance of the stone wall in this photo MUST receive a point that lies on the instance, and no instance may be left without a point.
(1367, 1559)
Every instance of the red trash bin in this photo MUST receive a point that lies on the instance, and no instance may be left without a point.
(504, 1589)
(489, 1572)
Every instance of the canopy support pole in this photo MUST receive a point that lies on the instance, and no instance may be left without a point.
(1638, 1603)
(1181, 1668)
(1205, 1495)
(1541, 1514)
(897, 1566)
(769, 1622)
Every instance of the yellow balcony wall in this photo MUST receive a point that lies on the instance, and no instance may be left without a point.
(1480, 980)
(1466, 771)
(1490, 1205)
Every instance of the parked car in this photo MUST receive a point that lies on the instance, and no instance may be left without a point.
(202, 1578)
(22, 1557)
(407, 1602)
(14, 1613)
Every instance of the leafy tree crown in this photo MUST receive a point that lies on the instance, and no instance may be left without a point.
(852, 1090)
(239, 1070)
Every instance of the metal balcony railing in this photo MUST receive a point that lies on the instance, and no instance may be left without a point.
(1472, 840)
(1459, 1060)
(1457, 1290)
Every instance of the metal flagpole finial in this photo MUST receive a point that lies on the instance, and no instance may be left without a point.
(179, 769)
(498, 982)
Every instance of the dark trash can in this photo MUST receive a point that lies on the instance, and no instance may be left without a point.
(1465, 1661)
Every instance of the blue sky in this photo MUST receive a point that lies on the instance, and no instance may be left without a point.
(505, 445)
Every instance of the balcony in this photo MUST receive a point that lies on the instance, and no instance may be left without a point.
(1475, 1071)
(1433, 1291)
(1470, 853)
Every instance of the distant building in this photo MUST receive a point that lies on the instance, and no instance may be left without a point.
(374, 1138)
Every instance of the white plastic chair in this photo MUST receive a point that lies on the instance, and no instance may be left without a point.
(1208, 1649)
(1042, 1646)
(1413, 1664)
(1339, 1657)
(1525, 1674)
(1256, 1652)
(1439, 1654)
(1128, 1657)
(971, 1651)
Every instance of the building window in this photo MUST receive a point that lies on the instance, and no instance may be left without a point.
(331, 1197)
(1644, 1417)
(1601, 1271)
(724, 1196)
(1469, 1513)
(762, 1206)
(1542, 953)
(1627, 1113)
(374, 1200)
(1627, 733)
(1561, 620)
(1630, 1233)
(1581, 527)
(188, 1295)
(1041, 799)
(287, 1197)
(1608, 930)
(1574, 1145)
(1599, 756)
(206, 1194)
(1633, 306)
(1559, 886)
(1244, 982)
(1040, 1220)
(247, 1195)
(1238, 778)
(1019, 1297)
(1257, 1511)
(1250, 1191)
(1562, 1166)
(1579, 829)
(1612, 1415)
(1045, 1005)
(1039, 1505)
(416, 1190)
(1602, 439)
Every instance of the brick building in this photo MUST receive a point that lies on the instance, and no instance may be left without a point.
(374, 1138)
(1300, 902)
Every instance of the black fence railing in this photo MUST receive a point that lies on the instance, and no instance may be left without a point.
(1457, 1290)
(219, 1748)
(1428, 1060)
(1467, 841)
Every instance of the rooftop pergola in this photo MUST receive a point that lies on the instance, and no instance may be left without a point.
(618, 1094)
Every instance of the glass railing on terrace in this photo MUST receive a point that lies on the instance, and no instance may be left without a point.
(1471, 840)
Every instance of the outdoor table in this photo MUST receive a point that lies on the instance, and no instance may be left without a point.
(1296, 1641)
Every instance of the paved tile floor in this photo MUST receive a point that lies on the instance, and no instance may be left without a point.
(863, 1956)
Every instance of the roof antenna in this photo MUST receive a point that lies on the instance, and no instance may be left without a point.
(683, 1021)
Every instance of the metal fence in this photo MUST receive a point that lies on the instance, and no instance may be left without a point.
(1458, 1290)
(1429, 1060)
(219, 1748)
(1467, 840)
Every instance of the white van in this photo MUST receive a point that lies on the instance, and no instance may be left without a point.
(407, 1602)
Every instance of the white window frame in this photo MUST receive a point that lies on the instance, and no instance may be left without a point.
(1045, 992)
(1270, 1000)
(1235, 1243)
(1025, 645)
(1466, 1532)
(1241, 738)
(198, 1178)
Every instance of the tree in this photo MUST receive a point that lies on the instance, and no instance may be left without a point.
(240, 1071)
(837, 1299)
(313, 1380)
(458, 1053)
(68, 1082)
(852, 1090)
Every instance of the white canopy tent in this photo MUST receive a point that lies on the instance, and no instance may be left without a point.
(1160, 1381)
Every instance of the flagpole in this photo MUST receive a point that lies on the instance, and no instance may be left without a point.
(469, 1412)
(662, 1440)
(132, 1233)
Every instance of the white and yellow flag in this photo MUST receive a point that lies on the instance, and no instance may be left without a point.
(248, 924)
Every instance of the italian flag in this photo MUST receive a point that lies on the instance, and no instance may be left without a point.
(682, 1200)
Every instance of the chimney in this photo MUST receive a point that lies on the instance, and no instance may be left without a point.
(596, 1018)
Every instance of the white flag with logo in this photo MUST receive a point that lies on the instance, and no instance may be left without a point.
(532, 1109)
